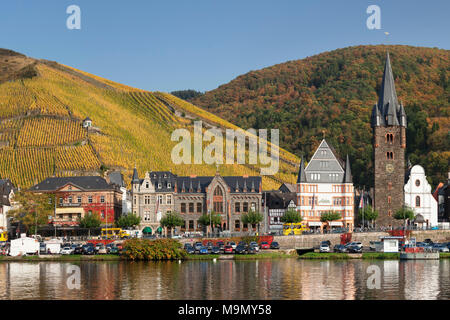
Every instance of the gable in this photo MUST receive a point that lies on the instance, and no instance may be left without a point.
(69, 188)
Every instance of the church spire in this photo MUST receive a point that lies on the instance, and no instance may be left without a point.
(301, 172)
(348, 172)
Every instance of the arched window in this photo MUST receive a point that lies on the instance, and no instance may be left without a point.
(417, 201)
(417, 182)
(389, 138)
(218, 191)
(389, 155)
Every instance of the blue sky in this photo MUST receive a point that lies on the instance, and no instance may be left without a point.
(201, 44)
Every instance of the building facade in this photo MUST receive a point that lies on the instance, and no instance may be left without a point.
(389, 143)
(192, 196)
(6, 204)
(325, 185)
(443, 196)
(80, 196)
(418, 196)
(277, 203)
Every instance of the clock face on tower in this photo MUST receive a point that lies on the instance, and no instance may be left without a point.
(389, 168)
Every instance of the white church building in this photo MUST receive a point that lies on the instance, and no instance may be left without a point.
(418, 196)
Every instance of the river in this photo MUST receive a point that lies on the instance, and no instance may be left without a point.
(260, 279)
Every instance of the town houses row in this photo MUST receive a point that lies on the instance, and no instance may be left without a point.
(324, 184)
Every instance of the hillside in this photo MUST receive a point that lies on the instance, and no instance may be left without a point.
(333, 93)
(43, 103)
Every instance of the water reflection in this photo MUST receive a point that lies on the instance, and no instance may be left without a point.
(227, 280)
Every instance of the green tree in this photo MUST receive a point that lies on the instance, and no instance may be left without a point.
(128, 221)
(291, 216)
(33, 209)
(90, 221)
(212, 219)
(252, 217)
(330, 216)
(172, 220)
(368, 214)
(404, 213)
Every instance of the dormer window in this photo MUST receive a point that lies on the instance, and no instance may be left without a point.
(169, 185)
(159, 185)
(147, 185)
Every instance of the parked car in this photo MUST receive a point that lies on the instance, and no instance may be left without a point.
(265, 245)
(255, 245)
(428, 241)
(355, 243)
(354, 249)
(251, 250)
(102, 250)
(97, 247)
(232, 244)
(215, 250)
(340, 248)
(198, 246)
(440, 247)
(243, 243)
(240, 249)
(324, 247)
(113, 250)
(66, 250)
(204, 250)
(42, 248)
(209, 245)
(88, 250)
(228, 249)
(78, 250)
(220, 244)
(274, 245)
(186, 245)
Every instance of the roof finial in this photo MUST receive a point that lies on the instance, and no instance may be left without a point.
(323, 134)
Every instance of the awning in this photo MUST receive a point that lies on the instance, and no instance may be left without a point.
(314, 224)
(147, 230)
(159, 229)
(336, 224)
(419, 219)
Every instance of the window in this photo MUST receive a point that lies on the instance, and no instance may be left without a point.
(218, 206)
(389, 155)
(199, 207)
(418, 201)
(237, 207)
(245, 207)
(183, 208)
(169, 199)
(389, 138)
(417, 182)
(159, 185)
(237, 224)
(102, 199)
(389, 185)
(389, 199)
(60, 200)
(146, 199)
(147, 185)
(324, 164)
(160, 199)
(103, 214)
(253, 206)
(218, 192)
(390, 213)
(70, 199)
(169, 185)
(79, 199)
(191, 207)
(191, 224)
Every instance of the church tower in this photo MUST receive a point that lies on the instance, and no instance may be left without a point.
(389, 143)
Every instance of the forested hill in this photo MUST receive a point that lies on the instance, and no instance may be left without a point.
(334, 92)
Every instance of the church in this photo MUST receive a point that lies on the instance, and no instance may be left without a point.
(388, 122)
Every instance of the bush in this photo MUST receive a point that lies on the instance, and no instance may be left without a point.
(160, 249)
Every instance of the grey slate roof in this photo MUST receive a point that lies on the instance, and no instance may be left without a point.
(388, 111)
(84, 182)
(117, 178)
(237, 184)
(301, 172)
(348, 171)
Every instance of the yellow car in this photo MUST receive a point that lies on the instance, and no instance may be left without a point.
(294, 228)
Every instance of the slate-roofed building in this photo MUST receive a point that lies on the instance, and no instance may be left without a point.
(324, 185)
(192, 196)
(81, 195)
(389, 141)
(278, 203)
(6, 194)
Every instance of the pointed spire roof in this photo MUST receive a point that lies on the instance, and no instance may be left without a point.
(348, 172)
(135, 176)
(387, 91)
(301, 172)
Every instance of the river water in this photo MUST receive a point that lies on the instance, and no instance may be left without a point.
(260, 279)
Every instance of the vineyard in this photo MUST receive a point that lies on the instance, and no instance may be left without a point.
(41, 133)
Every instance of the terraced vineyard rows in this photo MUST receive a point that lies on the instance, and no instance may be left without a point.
(40, 132)
(15, 99)
(26, 166)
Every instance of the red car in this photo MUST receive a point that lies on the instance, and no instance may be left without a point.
(265, 245)
(228, 249)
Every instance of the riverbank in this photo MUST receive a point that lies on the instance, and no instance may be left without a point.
(365, 256)
(62, 258)
(257, 256)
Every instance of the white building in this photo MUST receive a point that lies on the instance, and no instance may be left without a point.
(6, 195)
(325, 185)
(418, 197)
